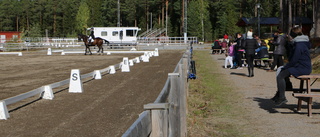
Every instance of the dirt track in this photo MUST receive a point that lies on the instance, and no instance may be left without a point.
(107, 107)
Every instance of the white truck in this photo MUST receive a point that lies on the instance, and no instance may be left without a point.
(117, 35)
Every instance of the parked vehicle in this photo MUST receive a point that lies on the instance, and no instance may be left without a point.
(117, 35)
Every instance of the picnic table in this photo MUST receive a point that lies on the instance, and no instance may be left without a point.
(308, 93)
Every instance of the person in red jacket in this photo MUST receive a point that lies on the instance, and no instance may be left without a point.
(225, 37)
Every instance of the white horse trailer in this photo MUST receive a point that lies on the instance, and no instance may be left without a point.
(118, 35)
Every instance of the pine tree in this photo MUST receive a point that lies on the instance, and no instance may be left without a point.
(82, 17)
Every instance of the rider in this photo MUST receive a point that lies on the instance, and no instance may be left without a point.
(91, 36)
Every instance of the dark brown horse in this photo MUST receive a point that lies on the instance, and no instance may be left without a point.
(97, 42)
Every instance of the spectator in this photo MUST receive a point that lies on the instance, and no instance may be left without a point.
(299, 64)
(250, 45)
(230, 56)
(225, 37)
(238, 51)
(216, 45)
(262, 53)
(279, 50)
(224, 45)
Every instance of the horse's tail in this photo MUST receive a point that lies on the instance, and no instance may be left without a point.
(106, 41)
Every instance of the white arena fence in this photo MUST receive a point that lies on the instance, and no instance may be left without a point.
(166, 117)
(43, 91)
(167, 40)
(44, 42)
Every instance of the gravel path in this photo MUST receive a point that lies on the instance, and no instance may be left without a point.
(265, 118)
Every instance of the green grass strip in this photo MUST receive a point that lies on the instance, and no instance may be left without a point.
(213, 108)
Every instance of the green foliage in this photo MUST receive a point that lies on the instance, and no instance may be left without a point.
(35, 31)
(207, 19)
(95, 13)
(224, 18)
(82, 18)
(109, 13)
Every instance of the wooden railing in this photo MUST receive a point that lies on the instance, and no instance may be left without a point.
(166, 117)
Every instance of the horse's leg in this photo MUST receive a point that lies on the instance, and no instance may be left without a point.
(102, 49)
(85, 53)
(98, 50)
(89, 50)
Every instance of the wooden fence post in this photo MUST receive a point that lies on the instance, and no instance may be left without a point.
(183, 96)
(174, 101)
(159, 119)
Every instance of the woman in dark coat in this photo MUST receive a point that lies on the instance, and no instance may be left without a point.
(250, 45)
(299, 64)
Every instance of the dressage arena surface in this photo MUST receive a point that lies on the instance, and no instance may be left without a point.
(107, 107)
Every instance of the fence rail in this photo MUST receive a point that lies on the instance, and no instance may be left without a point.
(167, 40)
(167, 115)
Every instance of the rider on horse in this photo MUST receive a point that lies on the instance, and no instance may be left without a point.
(91, 36)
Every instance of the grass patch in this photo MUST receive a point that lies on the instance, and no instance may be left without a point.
(213, 108)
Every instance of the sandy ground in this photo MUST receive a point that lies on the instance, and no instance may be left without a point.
(264, 117)
(107, 107)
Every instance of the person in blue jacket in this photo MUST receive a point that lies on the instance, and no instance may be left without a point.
(299, 63)
(263, 53)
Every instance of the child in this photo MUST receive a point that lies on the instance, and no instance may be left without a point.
(230, 56)
(262, 53)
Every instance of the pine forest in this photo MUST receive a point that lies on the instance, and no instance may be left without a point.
(205, 19)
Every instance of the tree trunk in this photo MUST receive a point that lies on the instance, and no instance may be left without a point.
(182, 17)
(17, 23)
(300, 12)
(54, 20)
(147, 15)
(316, 16)
(281, 16)
(290, 16)
(167, 6)
(162, 23)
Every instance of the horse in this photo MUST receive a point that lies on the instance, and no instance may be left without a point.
(97, 42)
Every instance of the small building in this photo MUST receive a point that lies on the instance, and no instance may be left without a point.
(9, 36)
(275, 21)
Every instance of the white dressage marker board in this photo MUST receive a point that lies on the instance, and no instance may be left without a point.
(156, 52)
(75, 85)
(48, 93)
(125, 65)
(4, 114)
(97, 74)
(49, 51)
(145, 57)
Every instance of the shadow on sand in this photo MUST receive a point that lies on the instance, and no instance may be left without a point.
(268, 105)
(239, 74)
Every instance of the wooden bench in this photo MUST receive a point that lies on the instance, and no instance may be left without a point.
(306, 94)
(259, 59)
(218, 51)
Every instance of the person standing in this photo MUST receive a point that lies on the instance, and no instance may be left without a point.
(250, 45)
(229, 56)
(238, 53)
(299, 64)
(279, 51)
